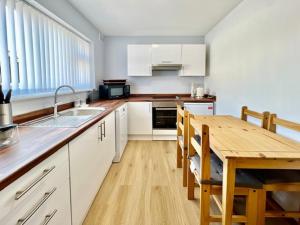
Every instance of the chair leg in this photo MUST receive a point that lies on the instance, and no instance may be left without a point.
(204, 204)
(190, 183)
(261, 207)
(185, 168)
(252, 206)
(179, 156)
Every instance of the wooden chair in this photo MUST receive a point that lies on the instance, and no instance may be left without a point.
(278, 180)
(264, 117)
(208, 173)
(182, 142)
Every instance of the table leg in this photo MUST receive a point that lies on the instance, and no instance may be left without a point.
(228, 190)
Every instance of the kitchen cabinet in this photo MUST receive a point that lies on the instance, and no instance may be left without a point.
(139, 60)
(199, 108)
(193, 60)
(140, 118)
(108, 144)
(121, 131)
(42, 194)
(91, 155)
(166, 54)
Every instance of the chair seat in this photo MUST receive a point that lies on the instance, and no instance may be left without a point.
(243, 179)
(276, 176)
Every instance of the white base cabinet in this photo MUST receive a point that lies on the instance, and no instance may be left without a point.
(140, 118)
(91, 156)
(65, 182)
(121, 131)
(42, 194)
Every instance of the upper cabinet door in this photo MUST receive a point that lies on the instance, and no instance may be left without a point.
(193, 60)
(139, 60)
(166, 54)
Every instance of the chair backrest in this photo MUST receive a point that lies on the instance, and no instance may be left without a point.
(274, 121)
(264, 117)
(205, 147)
(182, 124)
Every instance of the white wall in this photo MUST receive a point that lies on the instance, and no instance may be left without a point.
(115, 65)
(254, 58)
(64, 10)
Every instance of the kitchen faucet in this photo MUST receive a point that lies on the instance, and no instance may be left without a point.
(55, 97)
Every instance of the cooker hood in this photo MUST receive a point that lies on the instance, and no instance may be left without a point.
(166, 67)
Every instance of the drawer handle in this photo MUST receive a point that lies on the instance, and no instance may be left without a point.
(100, 132)
(47, 195)
(104, 129)
(19, 194)
(49, 217)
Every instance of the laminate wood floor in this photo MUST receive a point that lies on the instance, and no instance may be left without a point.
(145, 188)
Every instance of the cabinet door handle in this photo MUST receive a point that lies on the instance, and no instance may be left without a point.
(49, 217)
(104, 129)
(100, 132)
(19, 194)
(47, 195)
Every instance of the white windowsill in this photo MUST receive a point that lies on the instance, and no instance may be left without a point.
(45, 95)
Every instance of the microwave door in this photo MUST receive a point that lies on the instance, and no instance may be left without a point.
(116, 92)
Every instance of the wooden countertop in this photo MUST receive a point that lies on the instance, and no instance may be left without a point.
(169, 97)
(36, 143)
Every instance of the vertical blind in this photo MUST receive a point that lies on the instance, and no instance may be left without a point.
(37, 54)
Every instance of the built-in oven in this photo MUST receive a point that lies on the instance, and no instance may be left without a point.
(164, 115)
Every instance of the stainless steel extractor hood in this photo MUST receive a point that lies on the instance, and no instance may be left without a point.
(167, 67)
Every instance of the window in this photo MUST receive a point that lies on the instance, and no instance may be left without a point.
(37, 53)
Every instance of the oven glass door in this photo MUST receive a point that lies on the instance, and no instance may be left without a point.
(164, 118)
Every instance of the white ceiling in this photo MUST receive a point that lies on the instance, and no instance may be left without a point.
(154, 17)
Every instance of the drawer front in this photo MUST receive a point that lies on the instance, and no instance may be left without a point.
(52, 208)
(54, 171)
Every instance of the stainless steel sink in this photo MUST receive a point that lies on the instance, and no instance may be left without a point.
(82, 112)
(70, 118)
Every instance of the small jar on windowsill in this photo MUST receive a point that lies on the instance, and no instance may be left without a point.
(9, 135)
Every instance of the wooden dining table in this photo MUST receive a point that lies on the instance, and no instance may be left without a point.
(242, 145)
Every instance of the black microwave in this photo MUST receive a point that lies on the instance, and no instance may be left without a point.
(109, 91)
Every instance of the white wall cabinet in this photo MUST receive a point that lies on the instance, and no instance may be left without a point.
(91, 155)
(139, 60)
(191, 56)
(166, 54)
(193, 60)
(140, 118)
(45, 194)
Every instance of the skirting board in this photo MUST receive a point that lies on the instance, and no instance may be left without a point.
(164, 137)
(140, 137)
(164, 132)
(152, 137)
